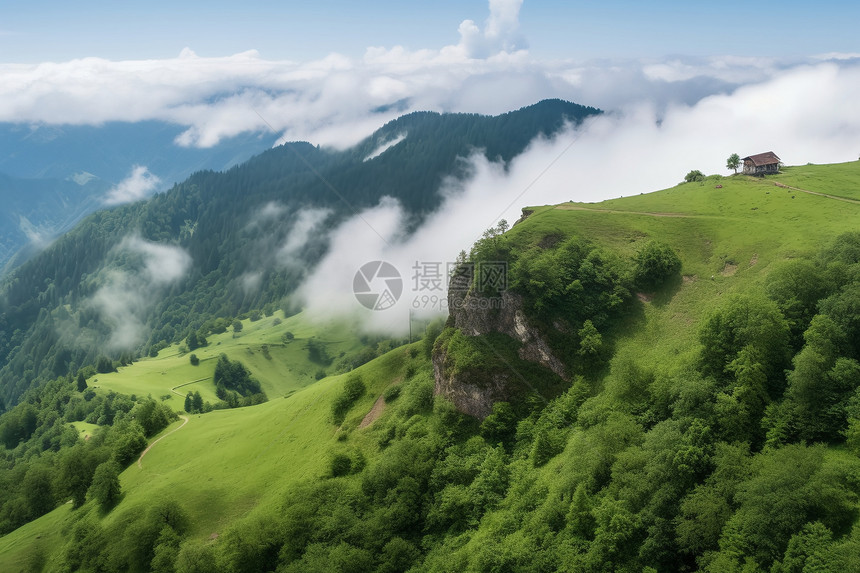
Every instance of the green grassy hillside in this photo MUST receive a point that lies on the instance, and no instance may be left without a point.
(283, 367)
(728, 237)
(595, 446)
(223, 464)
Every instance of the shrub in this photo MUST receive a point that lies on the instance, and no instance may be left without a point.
(341, 465)
(391, 393)
(353, 389)
(694, 175)
(195, 340)
(194, 360)
(432, 332)
(104, 365)
(654, 264)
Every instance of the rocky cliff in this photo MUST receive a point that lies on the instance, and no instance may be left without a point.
(474, 391)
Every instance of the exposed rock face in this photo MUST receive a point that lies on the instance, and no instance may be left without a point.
(475, 393)
(475, 315)
(467, 395)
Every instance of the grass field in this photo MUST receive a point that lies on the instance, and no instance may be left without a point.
(31, 545)
(727, 238)
(286, 369)
(85, 429)
(224, 464)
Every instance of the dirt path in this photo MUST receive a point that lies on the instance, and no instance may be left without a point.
(783, 186)
(149, 447)
(186, 384)
(374, 413)
(645, 213)
(577, 208)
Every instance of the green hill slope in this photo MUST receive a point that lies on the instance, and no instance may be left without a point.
(222, 465)
(728, 238)
(282, 365)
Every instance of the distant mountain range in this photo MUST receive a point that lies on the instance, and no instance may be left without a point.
(52, 176)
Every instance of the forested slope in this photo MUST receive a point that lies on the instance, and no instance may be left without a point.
(221, 230)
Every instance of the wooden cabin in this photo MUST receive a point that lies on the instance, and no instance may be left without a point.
(761, 164)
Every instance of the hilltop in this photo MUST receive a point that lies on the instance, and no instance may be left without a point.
(701, 416)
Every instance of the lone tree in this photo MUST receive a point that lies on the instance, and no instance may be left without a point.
(733, 162)
(105, 488)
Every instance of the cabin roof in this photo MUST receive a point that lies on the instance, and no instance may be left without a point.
(763, 158)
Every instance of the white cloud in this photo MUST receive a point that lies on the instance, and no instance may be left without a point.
(127, 295)
(500, 34)
(385, 146)
(337, 101)
(138, 185)
(302, 231)
(37, 237)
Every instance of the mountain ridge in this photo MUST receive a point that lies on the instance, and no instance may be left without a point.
(209, 216)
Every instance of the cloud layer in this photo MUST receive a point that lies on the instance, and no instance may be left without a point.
(338, 100)
(666, 117)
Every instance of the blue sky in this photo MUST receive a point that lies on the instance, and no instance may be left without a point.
(56, 30)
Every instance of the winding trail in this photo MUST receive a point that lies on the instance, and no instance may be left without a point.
(149, 447)
(845, 199)
(186, 384)
(566, 207)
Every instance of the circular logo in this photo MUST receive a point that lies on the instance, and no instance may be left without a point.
(377, 285)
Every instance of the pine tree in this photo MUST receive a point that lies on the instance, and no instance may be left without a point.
(197, 402)
(82, 382)
(189, 404)
(543, 449)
